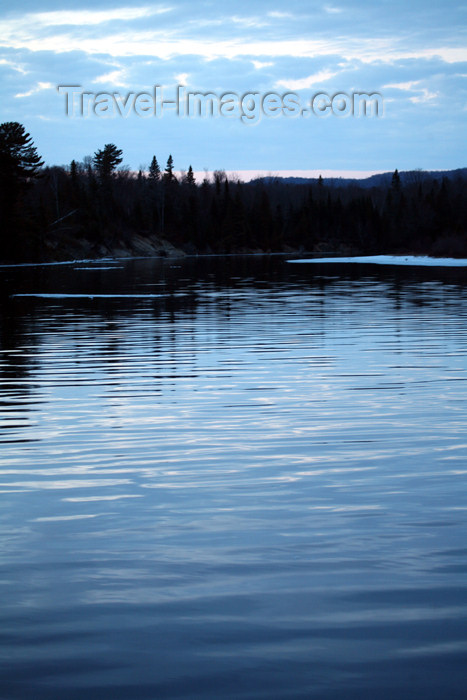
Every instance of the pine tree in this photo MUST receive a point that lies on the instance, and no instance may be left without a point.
(19, 164)
(154, 170)
(169, 175)
(396, 181)
(73, 172)
(106, 160)
(190, 178)
(18, 155)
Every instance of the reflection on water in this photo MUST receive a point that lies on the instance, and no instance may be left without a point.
(233, 479)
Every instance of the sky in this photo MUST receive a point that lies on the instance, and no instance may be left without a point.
(413, 54)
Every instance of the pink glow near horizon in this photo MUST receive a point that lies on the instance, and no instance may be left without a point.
(247, 175)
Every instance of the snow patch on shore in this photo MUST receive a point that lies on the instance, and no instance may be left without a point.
(415, 260)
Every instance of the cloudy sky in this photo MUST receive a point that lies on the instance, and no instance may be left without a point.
(413, 53)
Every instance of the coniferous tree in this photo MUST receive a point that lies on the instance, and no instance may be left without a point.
(73, 172)
(190, 178)
(396, 181)
(106, 160)
(169, 169)
(154, 170)
(19, 164)
(18, 155)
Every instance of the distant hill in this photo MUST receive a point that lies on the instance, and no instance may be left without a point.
(380, 180)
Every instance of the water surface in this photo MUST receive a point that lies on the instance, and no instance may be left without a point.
(233, 478)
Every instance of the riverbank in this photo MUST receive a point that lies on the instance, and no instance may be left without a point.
(133, 217)
(63, 247)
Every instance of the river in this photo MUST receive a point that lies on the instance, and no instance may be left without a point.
(233, 478)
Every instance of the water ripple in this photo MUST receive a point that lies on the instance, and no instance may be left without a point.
(253, 476)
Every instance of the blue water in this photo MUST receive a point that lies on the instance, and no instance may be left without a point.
(233, 478)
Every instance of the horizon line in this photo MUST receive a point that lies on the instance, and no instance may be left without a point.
(248, 175)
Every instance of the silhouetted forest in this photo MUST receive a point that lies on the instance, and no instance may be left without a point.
(95, 208)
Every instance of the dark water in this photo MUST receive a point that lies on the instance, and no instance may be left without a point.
(235, 479)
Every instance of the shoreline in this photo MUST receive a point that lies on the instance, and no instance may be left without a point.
(302, 257)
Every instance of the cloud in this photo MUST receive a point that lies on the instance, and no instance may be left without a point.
(14, 66)
(89, 17)
(38, 88)
(370, 36)
(159, 43)
(182, 79)
(306, 83)
(425, 95)
(262, 64)
(409, 85)
(410, 49)
(275, 14)
(116, 77)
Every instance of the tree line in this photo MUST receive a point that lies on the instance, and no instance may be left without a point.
(97, 206)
